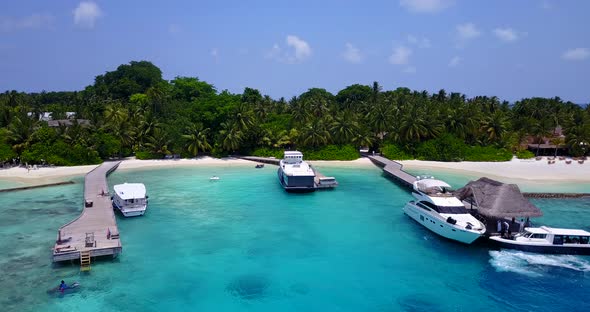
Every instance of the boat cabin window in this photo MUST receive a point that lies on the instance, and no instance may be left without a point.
(528, 234)
(576, 240)
(539, 235)
(558, 240)
(421, 205)
(444, 209)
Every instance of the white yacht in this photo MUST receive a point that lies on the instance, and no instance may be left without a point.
(295, 174)
(548, 240)
(440, 211)
(130, 199)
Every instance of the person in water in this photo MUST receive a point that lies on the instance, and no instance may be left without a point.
(63, 286)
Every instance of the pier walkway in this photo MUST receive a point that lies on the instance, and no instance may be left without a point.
(93, 233)
(394, 170)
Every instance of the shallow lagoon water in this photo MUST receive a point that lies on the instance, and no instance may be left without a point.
(243, 244)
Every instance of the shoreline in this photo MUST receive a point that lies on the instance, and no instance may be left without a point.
(523, 171)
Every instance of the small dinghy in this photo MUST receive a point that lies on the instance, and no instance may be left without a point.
(214, 178)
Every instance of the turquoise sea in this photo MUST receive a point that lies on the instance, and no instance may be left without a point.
(243, 244)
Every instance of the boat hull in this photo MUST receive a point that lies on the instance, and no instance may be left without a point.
(130, 212)
(541, 248)
(441, 227)
(302, 184)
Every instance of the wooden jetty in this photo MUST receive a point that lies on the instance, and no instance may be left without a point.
(94, 233)
(22, 188)
(318, 175)
(264, 160)
(394, 170)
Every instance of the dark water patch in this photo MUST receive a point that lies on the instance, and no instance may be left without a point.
(417, 303)
(249, 286)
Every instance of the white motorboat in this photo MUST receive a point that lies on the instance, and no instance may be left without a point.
(130, 199)
(295, 175)
(437, 209)
(214, 178)
(547, 240)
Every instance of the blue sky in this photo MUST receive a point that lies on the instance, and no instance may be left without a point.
(511, 49)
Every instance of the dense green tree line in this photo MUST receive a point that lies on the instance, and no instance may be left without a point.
(133, 110)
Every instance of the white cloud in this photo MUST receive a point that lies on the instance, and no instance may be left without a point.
(506, 34)
(419, 42)
(352, 54)
(467, 31)
(577, 54)
(400, 56)
(299, 52)
(302, 48)
(425, 6)
(214, 52)
(410, 70)
(33, 21)
(454, 61)
(86, 14)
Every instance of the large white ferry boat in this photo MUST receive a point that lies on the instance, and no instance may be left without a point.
(547, 240)
(295, 174)
(437, 209)
(130, 199)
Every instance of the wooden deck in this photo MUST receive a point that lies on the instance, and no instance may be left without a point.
(394, 170)
(264, 160)
(95, 230)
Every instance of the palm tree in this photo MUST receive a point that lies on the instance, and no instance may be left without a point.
(231, 136)
(539, 129)
(344, 127)
(158, 142)
(315, 134)
(243, 116)
(19, 132)
(495, 126)
(196, 139)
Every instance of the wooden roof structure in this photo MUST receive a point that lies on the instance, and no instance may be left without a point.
(498, 200)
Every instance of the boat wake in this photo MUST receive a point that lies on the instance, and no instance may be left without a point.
(535, 265)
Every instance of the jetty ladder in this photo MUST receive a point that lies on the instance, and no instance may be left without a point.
(85, 260)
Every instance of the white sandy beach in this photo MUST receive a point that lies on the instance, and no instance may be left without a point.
(530, 170)
(58, 174)
(518, 169)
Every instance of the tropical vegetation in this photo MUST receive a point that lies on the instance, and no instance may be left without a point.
(134, 111)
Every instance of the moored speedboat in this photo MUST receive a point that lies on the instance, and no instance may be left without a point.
(547, 240)
(437, 209)
(295, 175)
(130, 199)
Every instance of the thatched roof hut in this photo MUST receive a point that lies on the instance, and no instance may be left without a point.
(498, 200)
